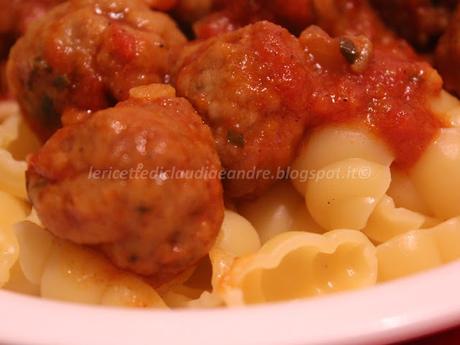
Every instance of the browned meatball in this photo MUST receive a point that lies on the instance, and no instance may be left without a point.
(448, 55)
(139, 181)
(87, 54)
(421, 22)
(251, 87)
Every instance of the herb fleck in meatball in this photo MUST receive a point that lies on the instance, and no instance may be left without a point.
(87, 54)
(139, 181)
(251, 87)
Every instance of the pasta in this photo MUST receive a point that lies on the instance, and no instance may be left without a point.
(348, 193)
(419, 250)
(259, 167)
(297, 265)
(404, 193)
(331, 144)
(279, 210)
(387, 221)
(435, 175)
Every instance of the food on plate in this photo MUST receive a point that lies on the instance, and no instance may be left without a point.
(95, 183)
(251, 87)
(86, 55)
(284, 150)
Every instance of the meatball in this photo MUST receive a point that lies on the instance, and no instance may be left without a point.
(448, 55)
(87, 54)
(139, 181)
(251, 87)
(421, 22)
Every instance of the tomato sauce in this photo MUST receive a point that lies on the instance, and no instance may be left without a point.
(390, 95)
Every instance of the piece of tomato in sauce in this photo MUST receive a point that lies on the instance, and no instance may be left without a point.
(390, 95)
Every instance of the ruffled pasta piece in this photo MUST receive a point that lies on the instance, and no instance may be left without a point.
(12, 210)
(331, 144)
(36, 244)
(387, 221)
(9, 252)
(296, 265)
(63, 271)
(279, 210)
(12, 177)
(404, 193)
(419, 250)
(348, 194)
(129, 291)
(447, 107)
(436, 174)
(237, 238)
(15, 136)
(76, 274)
(20, 284)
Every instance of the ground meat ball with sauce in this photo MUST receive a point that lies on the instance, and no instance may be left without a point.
(448, 55)
(251, 87)
(87, 54)
(157, 225)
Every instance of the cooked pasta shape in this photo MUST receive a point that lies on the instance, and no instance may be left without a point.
(76, 274)
(447, 107)
(419, 250)
(435, 175)
(12, 178)
(237, 238)
(404, 193)
(387, 221)
(347, 194)
(9, 251)
(36, 244)
(12, 209)
(296, 265)
(279, 210)
(331, 144)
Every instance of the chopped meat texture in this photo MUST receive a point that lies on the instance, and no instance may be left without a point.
(252, 88)
(139, 181)
(87, 54)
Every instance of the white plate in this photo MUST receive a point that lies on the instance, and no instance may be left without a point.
(385, 314)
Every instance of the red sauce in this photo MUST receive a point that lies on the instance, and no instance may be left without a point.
(390, 96)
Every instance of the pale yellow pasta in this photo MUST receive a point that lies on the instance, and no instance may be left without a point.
(12, 177)
(405, 194)
(279, 210)
(76, 274)
(419, 250)
(12, 209)
(237, 238)
(36, 244)
(407, 254)
(387, 221)
(331, 144)
(9, 252)
(129, 291)
(9, 130)
(447, 107)
(20, 284)
(436, 174)
(296, 265)
(348, 194)
(447, 236)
